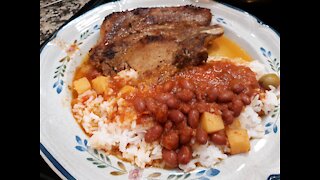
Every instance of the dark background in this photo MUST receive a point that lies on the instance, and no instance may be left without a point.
(265, 10)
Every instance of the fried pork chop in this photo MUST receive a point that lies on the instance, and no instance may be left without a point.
(156, 42)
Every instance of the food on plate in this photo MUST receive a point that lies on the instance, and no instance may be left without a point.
(150, 94)
(81, 85)
(268, 80)
(211, 122)
(154, 41)
(238, 140)
(100, 84)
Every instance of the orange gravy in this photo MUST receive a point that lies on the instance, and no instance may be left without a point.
(224, 46)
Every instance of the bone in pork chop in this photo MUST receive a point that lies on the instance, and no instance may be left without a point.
(154, 41)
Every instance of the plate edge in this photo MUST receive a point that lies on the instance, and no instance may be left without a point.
(54, 164)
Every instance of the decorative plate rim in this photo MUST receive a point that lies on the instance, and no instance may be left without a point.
(45, 154)
(255, 17)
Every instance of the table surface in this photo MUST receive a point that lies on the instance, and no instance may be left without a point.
(54, 13)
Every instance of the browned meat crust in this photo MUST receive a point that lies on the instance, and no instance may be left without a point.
(148, 38)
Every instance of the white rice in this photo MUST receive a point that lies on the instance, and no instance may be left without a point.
(250, 120)
(206, 155)
(95, 113)
(128, 74)
(271, 100)
(127, 135)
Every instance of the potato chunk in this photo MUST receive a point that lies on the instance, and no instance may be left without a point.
(81, 85)
(235, 124)
(125, 90)
(238, 140)
(100, 84)
(211, 122)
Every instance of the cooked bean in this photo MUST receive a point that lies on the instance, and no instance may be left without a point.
(145, 118)
(185, 108)
(170, 158)
(219, 138)
(225, 96)
(201, 136)
(236, 107)
(139, 104)
(200, 95)
(151, 104)
(168, 126)
(224, 106)
(163, 97)
(185, 135)
(176, 116)
(247, 91)
(227, 116)
(184, 155)
(213, 93)
(153, 133)
(168, 86)
(193, 118)
(173, 103)
(237, 87)
(185, 95)
(182, 125)
(170, 140)
(161, 113)
(245, 99)
(186, 84)
(202, 107)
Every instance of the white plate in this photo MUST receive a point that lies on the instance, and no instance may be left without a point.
(63, 143)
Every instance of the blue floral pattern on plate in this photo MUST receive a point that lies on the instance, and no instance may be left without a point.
(273, 62)
(272, 126)
(275, 66)
(221, 20)
(101, 160)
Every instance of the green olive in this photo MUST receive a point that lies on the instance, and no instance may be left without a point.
(269, 79)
